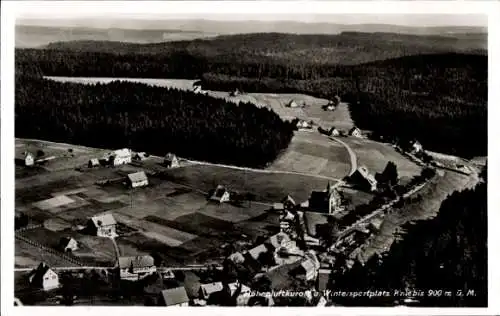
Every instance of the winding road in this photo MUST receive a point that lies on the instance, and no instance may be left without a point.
(352, 154)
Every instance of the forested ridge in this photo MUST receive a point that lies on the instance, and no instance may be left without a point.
(439, 98)
(447, 253)
(156, 120)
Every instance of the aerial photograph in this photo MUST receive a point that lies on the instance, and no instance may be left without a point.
(256, 160)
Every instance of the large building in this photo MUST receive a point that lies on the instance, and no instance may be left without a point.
(103, 225)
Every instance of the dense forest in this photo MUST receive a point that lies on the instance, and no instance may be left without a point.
(447, 253)
(156, 120)
(439, 98)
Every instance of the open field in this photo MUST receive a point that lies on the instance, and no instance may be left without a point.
(375, 156)
(313, 153)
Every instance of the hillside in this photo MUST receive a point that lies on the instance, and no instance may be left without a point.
(151, 119)
(344, 48)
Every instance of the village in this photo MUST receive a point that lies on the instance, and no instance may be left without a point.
(311, 240)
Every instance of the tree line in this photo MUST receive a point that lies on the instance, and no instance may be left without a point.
(151, 119)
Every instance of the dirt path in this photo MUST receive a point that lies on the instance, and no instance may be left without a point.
(352, 155)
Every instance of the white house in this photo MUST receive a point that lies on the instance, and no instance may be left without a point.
(136, 268)
(43, 277)
(356, 132)
(197, 89)
(174, 297)
(303, 124)
(68, 244)
(94, 162)
(237, 257)
(208, 289)
(121, 156)
(417, 147)
(334, 132)
(257, 251)
(220, 195)
(171, 161)
(29, 159)
(141, 156)
(292, 104)
(103, 225)
(137, 179)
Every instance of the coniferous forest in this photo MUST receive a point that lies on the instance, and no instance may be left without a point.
(447, 253)
(430, 88)
(156, 120)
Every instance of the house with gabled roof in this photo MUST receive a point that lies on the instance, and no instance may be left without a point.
(43, 277)
(356, 132)
(94, 162)
(333, 132)
(26, 158)
(103, 225)
(292, 104)
(137, 179)
(363, 180)
(174, 297)
(120, 157)
(67, 244)
(220, 194)
(136, 267)
(208, 289)
(328, 201)
(171, 161)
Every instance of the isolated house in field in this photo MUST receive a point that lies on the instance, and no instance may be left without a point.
(234, 93)
(334, 132)
(356, 132)
(328, 201)
(27, 159)
(171, 161)
(67, 244)
(136, 268)
(174, 297)
(301, 124)
(120, 157)
(363, 180)
(220, 194)
(94, 162)
(43, 278)
(208, 289)
(102, 225)
(141, 156)
(197, 89)
(137, 179)
(417, 147)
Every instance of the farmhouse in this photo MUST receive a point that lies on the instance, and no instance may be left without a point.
(356, 132)
(304, 124)
(220, 194)
(27, 159)
(292, 104)
(328, 201)
(363, 180)
(43, 277)
(334, 132)
(416, 147)
(376, 223)
(137, 179)
(308, 268)
(141, 156)
(67, 244)
(135, 268)
(237, 257)
(197, 89)
(174, 297)
(234, 93)
(102, 225)
(94, 162)
(208, 289)
(121, 157)
(171, 161)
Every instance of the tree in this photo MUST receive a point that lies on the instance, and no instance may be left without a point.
(40, 153)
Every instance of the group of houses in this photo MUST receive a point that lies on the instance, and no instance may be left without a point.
(125, 156)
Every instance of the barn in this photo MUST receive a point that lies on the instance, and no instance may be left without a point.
(137, 179)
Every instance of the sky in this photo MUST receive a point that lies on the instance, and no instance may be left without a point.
(263, 12)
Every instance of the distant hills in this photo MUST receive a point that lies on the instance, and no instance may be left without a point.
(36, 33)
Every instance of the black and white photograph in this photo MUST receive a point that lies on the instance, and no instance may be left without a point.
(240, 159)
